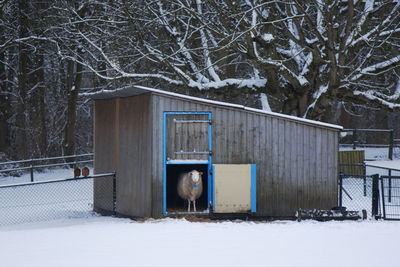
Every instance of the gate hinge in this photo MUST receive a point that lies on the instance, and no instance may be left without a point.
(211, 172)
(210, 152)
(210, 122)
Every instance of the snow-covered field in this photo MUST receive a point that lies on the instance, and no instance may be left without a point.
(108, 242)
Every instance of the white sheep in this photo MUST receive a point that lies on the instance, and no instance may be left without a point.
(190, 187)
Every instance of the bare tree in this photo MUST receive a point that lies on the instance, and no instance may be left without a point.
(299, 57)
(307, 54)
(38, 101)
(339, 51)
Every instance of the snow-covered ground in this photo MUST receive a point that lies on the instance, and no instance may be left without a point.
(86, 239)
(108, 242)
(44, 175)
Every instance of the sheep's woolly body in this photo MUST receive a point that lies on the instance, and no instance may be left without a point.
(190, 187)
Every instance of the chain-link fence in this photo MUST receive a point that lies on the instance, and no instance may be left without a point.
(356, 192)
(378, 195)
(50, 200)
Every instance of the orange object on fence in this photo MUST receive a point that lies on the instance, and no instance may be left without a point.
(85, 171)
(77, 172)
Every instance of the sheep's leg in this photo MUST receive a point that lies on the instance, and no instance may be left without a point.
(194, 205)
(188, 205)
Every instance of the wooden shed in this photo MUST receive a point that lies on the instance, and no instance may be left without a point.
(263, 163)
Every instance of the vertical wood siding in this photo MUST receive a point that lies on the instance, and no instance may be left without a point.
(296, 162)
(134, 157)
(104, 151)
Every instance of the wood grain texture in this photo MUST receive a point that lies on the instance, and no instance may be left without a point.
(104, 153)
(351, 157)
(134, 161)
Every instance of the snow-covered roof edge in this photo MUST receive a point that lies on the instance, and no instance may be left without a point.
(114, 93)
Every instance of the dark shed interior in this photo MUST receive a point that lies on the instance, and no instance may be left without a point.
(174, 202)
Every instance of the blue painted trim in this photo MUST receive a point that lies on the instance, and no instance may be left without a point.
(186, 163)
(186, 112)
(210, 167)
(164, 164)
(253, 188)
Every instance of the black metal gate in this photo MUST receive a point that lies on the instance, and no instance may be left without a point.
(390, 187)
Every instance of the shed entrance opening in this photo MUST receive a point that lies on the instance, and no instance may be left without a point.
(187, 147)
(175, 204)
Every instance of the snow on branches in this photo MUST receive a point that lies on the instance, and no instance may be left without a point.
(304, 53)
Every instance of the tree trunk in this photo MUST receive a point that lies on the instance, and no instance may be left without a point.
(4, 100)
(42, 109)
(69, 141)
(21, 133)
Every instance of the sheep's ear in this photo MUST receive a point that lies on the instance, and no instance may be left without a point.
(190, 174)
(201, 173)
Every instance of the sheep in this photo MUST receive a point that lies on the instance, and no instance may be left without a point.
(190, 187)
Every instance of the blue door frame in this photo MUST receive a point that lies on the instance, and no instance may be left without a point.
(165, 162)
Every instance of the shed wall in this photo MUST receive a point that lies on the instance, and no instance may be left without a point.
(296, 161)
(122, 144)
(104, 152)
(134, 157)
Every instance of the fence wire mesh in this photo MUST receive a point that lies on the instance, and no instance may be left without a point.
(356, 192)
(50, 200)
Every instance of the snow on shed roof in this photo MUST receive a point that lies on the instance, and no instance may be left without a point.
(138, 90)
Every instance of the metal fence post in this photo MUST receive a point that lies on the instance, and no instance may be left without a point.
(391, 144)
(340, 189)
(383, 199)
(31, 170)
(375, 195)
(355, 139)
(390, 186)
(114, 194)
(365, 179)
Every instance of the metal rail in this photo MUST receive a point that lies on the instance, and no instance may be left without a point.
(60, 180)
(32, 162)
(368, 130)
(356, 142)
(44, 159)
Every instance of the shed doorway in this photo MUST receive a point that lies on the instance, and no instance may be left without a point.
(187, 147)
(175, 204)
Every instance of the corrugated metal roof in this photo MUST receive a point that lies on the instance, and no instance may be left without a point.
(138, 90)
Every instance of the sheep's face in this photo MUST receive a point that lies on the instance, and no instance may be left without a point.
(196, 176)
